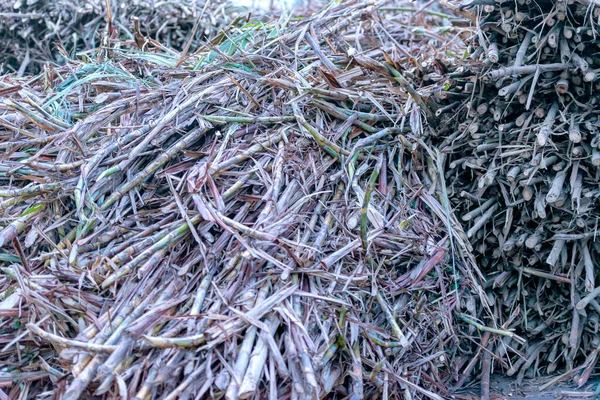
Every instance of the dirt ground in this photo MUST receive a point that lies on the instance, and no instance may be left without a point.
(503, 388)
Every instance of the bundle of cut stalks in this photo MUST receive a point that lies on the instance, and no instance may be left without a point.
(522, 145)
(263, 221)
(34, 33)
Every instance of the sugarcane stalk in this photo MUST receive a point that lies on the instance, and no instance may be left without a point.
(587, 299)
(161, 244)
(523, 50)
(479, 210)
(484, 328)
(525, 70)
(89, 347)
(243, 358)
(396, 331)
(17, 226)
(546, 128)
(555, 252)
(246, 154)
(257, 361)
(557, 186)
(152, 167)
(366, 201)
(484, 218)
(589, 267)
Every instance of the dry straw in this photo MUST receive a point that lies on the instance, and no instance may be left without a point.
(259, 217)
(33, 33)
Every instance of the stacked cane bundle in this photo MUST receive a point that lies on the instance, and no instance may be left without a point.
(520, 129)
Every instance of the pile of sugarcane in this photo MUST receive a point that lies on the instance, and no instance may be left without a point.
(519, 128)
(34, 33)
(260, 218)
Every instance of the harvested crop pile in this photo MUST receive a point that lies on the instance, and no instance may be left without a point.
(263, 221)
(33, 32)
(522, 143)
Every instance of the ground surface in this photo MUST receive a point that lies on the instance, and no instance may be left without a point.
(503, 388)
